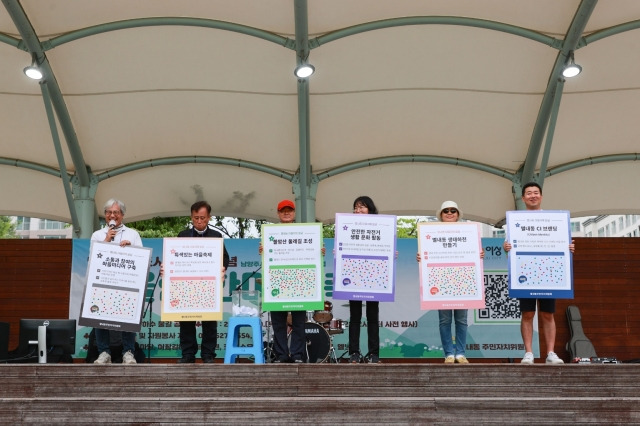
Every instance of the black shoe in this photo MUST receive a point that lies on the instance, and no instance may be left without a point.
(187, 360)
(355, 358)
(298, 361)
(207, 360)
(374, 359)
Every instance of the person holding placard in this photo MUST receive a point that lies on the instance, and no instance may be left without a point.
(364, 205)
(296, 351)
(200, 217)
(449, 212)
(532, 198)
(116, 232)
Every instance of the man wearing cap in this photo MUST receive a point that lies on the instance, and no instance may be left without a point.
(296, 351)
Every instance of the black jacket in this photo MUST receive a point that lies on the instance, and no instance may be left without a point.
(208, 233)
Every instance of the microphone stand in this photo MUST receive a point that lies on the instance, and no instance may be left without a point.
(247, 279)
(243, 283)
(150, 309)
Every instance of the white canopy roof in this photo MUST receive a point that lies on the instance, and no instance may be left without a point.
(161, 103)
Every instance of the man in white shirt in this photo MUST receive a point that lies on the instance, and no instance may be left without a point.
(117, 233)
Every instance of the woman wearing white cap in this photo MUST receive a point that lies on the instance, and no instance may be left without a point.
(449, 212)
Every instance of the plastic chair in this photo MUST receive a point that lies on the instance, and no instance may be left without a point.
(234, 349)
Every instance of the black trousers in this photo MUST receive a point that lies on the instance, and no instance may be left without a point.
(189, 343)
(355, 319)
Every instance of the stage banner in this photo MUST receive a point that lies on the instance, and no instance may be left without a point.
(193, 279)
(540, 263)
(364, 258)
(451, 273)
(406, 331)
(114, 292)
(292, 267)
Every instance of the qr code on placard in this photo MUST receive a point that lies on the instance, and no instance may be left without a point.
(500, 307)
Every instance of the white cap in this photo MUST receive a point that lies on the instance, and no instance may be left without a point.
(446, 205)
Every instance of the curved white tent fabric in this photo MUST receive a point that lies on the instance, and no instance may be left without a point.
(162, 103)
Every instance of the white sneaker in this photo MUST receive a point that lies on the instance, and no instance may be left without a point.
(104, 358)
(528, 358)
(128, 358)
(552, 358)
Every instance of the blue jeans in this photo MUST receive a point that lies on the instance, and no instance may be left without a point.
(445, 331)
(103, 341)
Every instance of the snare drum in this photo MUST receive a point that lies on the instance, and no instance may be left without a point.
(335, 326)
(324, 316)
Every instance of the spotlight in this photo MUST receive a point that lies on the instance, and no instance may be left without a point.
(33, 71)
(304, 70)
(571, 69)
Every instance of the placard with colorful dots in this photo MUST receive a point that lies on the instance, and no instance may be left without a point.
(192, 284)
(115, 284)
(365, 257)
(364, 272)
(539, 270)
(292, 283)
(451, 269)
(292, 267)
(540, 259)
(452, 280)
(192, 293)
(114, 302)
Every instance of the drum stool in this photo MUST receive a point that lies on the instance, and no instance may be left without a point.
(233, 338)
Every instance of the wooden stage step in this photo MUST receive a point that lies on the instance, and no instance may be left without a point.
(319, 393)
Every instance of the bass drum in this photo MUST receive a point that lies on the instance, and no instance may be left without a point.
(318, 342)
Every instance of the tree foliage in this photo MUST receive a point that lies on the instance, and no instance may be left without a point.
(329, 230)
(7, 228)
(239, 227)
(160, 227)
(232, 227)
(407, 227)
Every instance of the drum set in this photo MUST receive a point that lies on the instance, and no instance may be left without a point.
(319, 330)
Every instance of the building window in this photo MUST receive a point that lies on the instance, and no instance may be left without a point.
(23, 223)
(499, 233)
(575, 226)
(613, 227)
(601, 232)
(621, 223)
(607, 231)
(589, 234)
(51, 237)
(51, 224)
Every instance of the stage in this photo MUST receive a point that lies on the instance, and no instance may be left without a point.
(385, 393)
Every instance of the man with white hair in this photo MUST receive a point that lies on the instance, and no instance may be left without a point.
(117, 233)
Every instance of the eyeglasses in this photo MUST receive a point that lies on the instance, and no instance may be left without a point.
(112, 212)
(447, 211)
